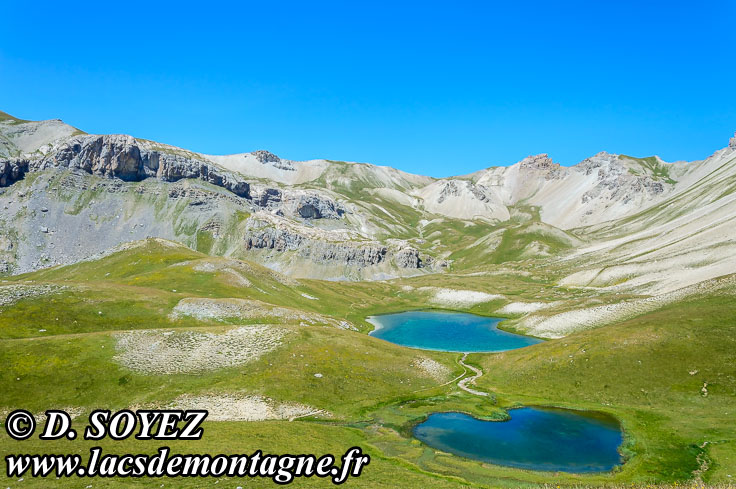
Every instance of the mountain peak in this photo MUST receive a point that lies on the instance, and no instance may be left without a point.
(538, 162)
(265, 156)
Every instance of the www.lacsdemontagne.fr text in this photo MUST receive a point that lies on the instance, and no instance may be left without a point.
(281, 468)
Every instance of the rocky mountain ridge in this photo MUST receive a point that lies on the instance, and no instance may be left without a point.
(317, 218)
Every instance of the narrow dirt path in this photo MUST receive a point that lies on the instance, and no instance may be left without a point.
(463, 384)
(703, 464)
(311, 413)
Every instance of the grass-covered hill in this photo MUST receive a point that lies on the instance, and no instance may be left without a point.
(109, 332)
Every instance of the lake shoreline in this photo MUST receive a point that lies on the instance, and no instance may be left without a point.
(597, 416)
(447, 331)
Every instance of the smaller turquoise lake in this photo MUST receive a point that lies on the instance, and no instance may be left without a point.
(447, 331)
(534, 439)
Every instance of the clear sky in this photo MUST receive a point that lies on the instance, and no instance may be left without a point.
(437, 88)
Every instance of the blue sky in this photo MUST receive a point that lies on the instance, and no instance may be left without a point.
(437, 88)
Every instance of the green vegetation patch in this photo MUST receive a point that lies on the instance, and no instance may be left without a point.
(651, 166)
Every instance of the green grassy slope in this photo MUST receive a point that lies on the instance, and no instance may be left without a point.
(650, 166)
(639, 370)
(649, 371)
(4, 116)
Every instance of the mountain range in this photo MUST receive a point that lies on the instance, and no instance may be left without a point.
(634, 223)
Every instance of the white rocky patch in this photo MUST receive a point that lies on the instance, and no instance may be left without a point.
(524, 307)
(565, 323)
(9, 294)
(174, 352)
(234, 308)
(73, 411)
(234, 407)
(220, 309)
(458, 297)
(432, 368)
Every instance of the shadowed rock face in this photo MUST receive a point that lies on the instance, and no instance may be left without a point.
(110, 156)
(308, 211)
(313, 206)
(124, 158)
(12, 170)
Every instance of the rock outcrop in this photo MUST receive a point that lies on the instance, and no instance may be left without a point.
(273, 239)
(12, 170)
(265, 156)
(268, 158)
(282, 240)
(450, 189)
(125, 158)
(266, 197)
(732, 142)
(616, 179)
(463, 199)
(297, 203)
(357, 255)
(314, 206)
(408, 258)
(318, 248)
(542, 163)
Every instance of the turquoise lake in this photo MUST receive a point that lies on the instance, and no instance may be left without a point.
(534, 438)
(447, 331)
